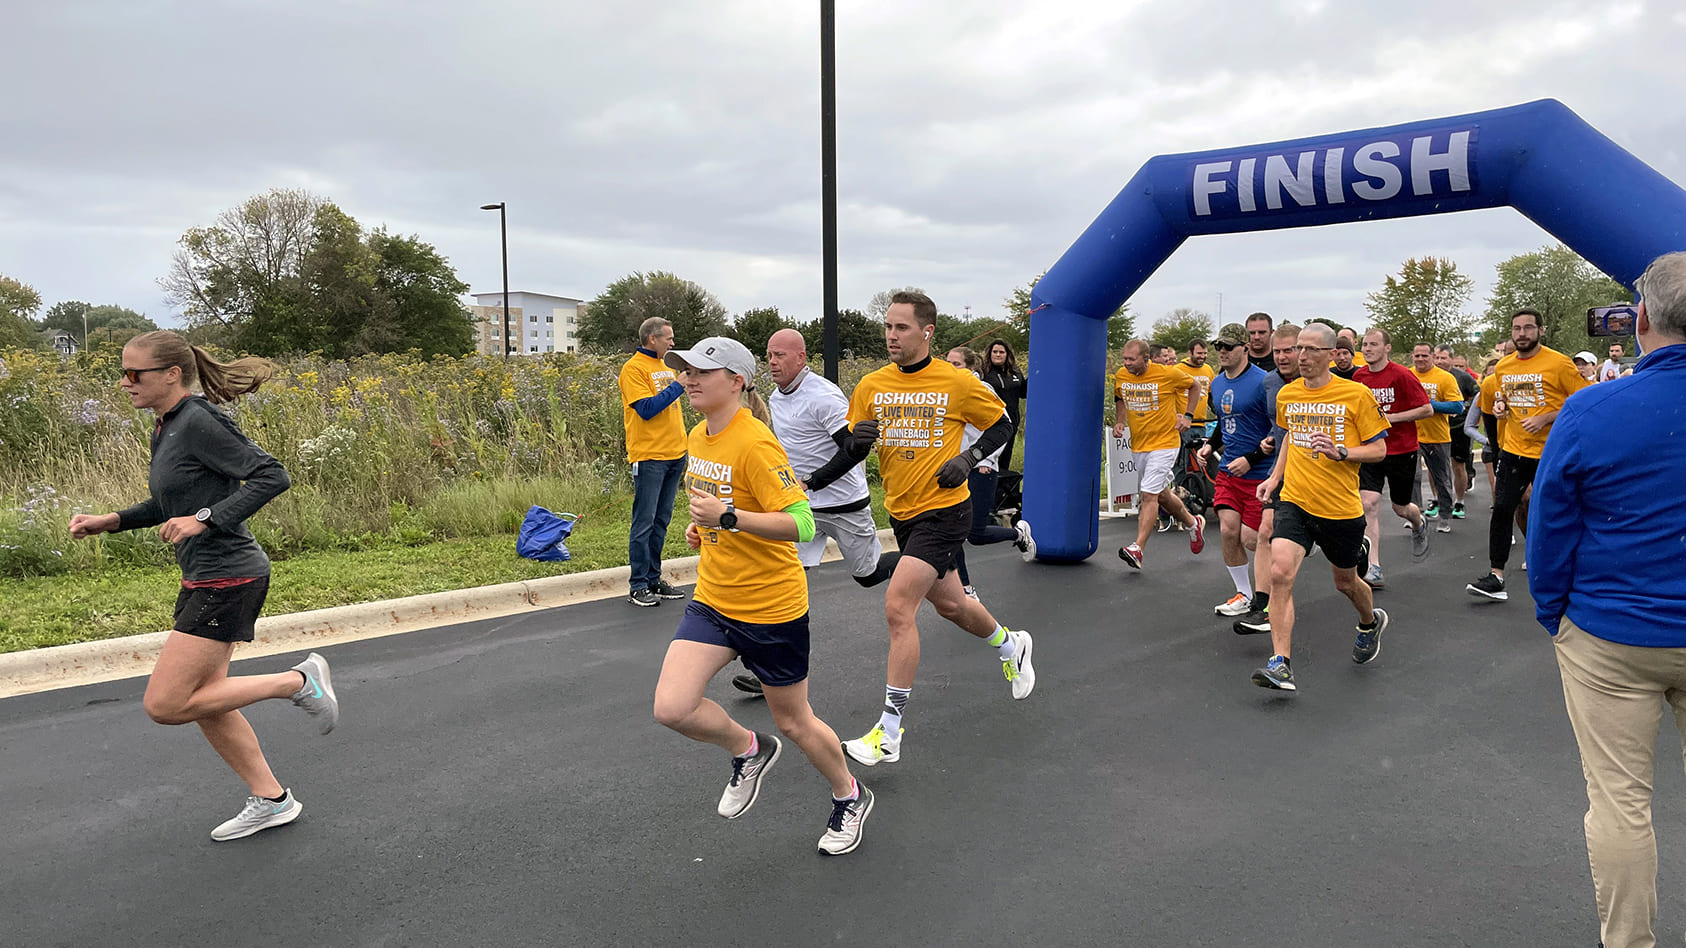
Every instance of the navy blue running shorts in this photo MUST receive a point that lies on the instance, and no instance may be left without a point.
(776, 653)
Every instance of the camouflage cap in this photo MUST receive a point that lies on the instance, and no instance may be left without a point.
(1232, 334)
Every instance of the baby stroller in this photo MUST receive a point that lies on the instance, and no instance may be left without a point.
(1009, 498)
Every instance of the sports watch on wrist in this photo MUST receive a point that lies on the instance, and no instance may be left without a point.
(203, 515)
(729, 520)
(1344, 451)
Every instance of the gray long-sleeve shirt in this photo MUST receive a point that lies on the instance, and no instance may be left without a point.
(200, 458)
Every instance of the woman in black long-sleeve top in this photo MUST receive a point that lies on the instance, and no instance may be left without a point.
(206, 478)
(1001, 372)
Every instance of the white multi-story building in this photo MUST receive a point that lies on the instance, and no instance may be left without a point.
(538, 322)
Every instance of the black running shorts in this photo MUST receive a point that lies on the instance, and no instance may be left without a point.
(226, 614)
(935, 536)
(1341, 540)
(1398, 471)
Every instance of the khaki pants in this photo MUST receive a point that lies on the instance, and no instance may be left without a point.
(1615, 695)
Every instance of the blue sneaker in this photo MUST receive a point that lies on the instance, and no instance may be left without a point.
(1276, 674)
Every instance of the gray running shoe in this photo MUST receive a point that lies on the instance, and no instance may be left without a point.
(1419, 543)
(747, 772)
(317, 695)
(259, 814)
(1275, 675)
(1375, 578)
(1369, 644)
(843, 830)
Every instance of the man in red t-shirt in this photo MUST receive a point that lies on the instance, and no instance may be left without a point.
(1403, 401)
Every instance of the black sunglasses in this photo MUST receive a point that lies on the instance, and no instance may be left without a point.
(1225, 346)
(134, 375)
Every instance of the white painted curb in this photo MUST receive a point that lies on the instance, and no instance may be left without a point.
(66, 666)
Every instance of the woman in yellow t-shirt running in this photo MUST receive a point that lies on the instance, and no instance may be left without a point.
(747, 511)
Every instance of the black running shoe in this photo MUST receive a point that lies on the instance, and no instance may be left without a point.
(747, 683)
(665, 590)
(1254, 622)
(1490, 586)
(1458, 510)
(643, 597)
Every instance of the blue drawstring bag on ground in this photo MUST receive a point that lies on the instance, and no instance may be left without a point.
(542, 533)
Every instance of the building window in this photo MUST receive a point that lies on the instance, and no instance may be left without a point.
(533, 318)
(533, 349)
(550, 319)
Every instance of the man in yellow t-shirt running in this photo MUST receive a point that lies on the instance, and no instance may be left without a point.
(1532, 384)
(1333, 426)
(1197, 366)
(1156, 402)
(914, 412)
(1434, 433)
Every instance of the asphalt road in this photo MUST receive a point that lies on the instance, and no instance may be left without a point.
(502, 783)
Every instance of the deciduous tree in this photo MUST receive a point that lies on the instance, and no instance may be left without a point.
(610, 323)
(1180, 327)
(1561, 286)
(1424, 303)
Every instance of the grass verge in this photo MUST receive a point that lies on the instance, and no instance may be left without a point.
(86, 607)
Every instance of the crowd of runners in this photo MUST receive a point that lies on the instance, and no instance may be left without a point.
(1307, 428)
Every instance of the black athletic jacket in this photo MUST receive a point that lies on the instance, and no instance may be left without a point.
(200, 459)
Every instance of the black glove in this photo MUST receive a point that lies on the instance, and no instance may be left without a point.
(955, 472)
(865, 433)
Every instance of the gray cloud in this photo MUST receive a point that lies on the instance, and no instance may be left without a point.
(976, 139)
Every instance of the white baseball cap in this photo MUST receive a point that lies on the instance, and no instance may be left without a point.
(1586, 357)
(715, 352)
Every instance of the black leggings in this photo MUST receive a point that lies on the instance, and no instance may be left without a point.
(1510, 483)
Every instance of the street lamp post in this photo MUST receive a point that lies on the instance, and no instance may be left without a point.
(828, 184)
(503, 229)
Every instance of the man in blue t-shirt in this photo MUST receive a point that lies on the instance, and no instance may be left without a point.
(1238, 402)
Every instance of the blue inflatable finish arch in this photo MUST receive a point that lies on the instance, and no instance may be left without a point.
(1539, 158)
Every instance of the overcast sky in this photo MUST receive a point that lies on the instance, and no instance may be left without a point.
(976, 139)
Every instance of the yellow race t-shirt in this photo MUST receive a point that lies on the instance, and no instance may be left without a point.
(662, 438)
(1323, 486)
(1205, 373)
(742, 576)
(1152, 402)
(1441, 387)
(921, 416)
(1533, 386)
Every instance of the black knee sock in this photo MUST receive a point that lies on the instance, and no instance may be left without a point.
(886, 568)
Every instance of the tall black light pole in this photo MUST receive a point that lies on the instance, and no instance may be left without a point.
(503, 228)
(828, 179)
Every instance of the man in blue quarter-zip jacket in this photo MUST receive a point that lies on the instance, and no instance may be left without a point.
(1605, 540)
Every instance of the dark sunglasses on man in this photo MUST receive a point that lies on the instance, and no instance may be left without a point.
(1224, 346)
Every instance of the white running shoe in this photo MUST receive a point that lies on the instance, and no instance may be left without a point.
(876, 746)
(1025, 543)
(259, 814)
(848, 817)
(1237, 605)
(1018, 669)
(971, 593)
(745, 786)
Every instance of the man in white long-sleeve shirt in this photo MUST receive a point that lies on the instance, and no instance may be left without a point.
(810, 417)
